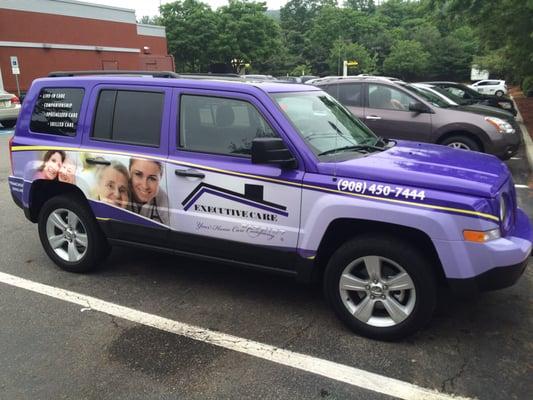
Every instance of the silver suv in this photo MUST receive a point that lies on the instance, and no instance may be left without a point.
(398, 110)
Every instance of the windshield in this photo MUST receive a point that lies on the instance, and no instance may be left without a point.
(428, 96)
(324, 124)
(449, 94)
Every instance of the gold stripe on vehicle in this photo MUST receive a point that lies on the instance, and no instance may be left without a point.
(263, 178)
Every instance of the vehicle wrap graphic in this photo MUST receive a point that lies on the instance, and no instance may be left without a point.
(253, 196)
(441, 204)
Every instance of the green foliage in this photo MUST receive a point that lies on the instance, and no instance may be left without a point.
(350, 51)
(407, 60)
(527, 85)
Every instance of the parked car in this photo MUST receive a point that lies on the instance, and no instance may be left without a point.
(394, 110)
(490, 86)
(455, 102)
(274, 177)
(471, 96)
(9, 109)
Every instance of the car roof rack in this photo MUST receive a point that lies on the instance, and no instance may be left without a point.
(155, 74)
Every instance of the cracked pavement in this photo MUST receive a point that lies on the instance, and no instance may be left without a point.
(480, 348)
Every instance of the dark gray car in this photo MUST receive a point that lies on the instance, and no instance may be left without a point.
(398, 111)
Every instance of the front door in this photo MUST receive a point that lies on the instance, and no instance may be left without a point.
(222, 205)
(388, 115)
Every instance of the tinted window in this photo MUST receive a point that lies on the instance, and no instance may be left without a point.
(389, 98)
(56, 111)
(218, 125)
(482, 83)
(349, 94)
(132, 117)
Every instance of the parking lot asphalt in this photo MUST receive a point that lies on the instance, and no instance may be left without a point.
(480, 348)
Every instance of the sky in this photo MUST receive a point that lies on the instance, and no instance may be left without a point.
(150, 7)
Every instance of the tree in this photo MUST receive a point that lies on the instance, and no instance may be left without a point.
(407, 60)
(366, 6)
(351, 51)
(504, 29)
(147, 20)
(191, 28)
(246, 33)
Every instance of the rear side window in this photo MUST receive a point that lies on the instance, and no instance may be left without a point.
(56, 111)
(131, 117)
(348, 94)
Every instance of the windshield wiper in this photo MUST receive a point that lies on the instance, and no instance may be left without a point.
(350, 148)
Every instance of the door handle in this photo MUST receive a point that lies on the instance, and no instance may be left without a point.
(189, 172)
(373, 117)
(97, 161)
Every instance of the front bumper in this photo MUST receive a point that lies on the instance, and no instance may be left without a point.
(494, 279)
(473, 267)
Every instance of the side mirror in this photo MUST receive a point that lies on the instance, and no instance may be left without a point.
(418, 107)
(272, 151)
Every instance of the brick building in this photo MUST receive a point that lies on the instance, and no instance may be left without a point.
(51, 35)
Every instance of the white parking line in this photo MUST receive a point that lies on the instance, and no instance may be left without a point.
(521, 186)
(339, 372)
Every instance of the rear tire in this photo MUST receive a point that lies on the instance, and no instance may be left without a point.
(461, 142)
(498, 93)
(70, 234)
(381, 287)
(10, 123)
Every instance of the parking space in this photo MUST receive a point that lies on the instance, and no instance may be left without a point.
(52, 349)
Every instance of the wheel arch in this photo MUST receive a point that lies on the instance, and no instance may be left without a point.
(43, 190)
(343, 229)
(476, 138)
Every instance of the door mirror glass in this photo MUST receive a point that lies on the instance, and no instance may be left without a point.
(272, 151)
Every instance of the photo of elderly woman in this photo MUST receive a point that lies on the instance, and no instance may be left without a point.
(147, 197)
(67, 171)
(112, 183)
(51, 164)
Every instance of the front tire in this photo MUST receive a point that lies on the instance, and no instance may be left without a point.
(499, 93)
(461, 142)
(380, 287)
(70, 234)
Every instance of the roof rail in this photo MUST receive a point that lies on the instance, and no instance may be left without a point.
(155, 74)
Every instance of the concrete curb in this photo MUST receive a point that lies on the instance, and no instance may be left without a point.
(528, 143)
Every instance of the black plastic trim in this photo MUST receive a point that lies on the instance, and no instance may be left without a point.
(494, 279)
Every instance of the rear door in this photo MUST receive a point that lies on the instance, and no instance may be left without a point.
(222, 205)
(350, 95)
(387, 114)
(122, 165)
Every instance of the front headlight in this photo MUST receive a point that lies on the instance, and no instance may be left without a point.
(500, 125)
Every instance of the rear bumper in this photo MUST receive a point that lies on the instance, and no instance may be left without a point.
(9, 113)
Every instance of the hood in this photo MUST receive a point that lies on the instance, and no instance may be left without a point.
(487, 110)
(427, 166)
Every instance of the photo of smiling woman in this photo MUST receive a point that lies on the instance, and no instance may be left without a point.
(112, 183)
(147, 197)
(52, 162)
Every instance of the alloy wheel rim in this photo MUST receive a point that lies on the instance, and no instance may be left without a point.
(459, 145)
(377, 291)
(66, 235)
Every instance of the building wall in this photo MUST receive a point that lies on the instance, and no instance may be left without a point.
(51, 35)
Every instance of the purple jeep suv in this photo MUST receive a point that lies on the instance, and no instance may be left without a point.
(275, 177)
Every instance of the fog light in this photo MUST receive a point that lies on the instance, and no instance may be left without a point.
(482, 236)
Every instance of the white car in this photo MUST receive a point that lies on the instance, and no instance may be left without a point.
(9, 109)
(491, 87)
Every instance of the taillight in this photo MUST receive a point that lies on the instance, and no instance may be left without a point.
(11, 153)
(15, 100)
